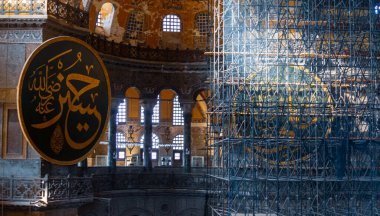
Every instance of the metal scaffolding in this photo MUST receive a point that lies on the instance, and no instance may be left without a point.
(294, 117)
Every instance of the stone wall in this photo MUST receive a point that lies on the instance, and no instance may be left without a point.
(20, 168)
(13, 145)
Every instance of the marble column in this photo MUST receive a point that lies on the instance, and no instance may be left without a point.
(112, 135)
(148, 105)
(187, 107)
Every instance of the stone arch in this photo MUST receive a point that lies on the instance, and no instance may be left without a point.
(200, 88)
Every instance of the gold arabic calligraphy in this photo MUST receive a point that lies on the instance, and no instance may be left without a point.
(46, 83)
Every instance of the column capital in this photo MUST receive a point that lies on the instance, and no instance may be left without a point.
(187, 106)
(148, 103)
(115, 103)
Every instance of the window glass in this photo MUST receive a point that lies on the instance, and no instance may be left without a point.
(105, 15)
(155, 141)
(202, 23)
(178, 142)
(171, 23)
(120, 140)
(121, 116)
(177, 156)
(121, 155)
(177, 112)
(154, 155)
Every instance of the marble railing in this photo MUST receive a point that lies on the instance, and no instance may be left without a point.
(42, 191)
(68, 13)
(149, 181)
(47, 191)
(23, 191)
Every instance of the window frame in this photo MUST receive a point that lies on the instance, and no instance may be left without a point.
(171, 23)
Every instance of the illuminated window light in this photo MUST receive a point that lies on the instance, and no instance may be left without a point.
(171, 23)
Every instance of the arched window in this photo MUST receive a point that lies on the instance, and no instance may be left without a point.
(178, 142)
(156, 113)
(171, 23)
(134, 30)
(121, 117)
(154, 141)
(104, 19)
(120, 140)
(177, 112)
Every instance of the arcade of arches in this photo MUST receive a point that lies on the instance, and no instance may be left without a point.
(167, 121)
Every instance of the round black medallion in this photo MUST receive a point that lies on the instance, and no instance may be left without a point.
(64, 100)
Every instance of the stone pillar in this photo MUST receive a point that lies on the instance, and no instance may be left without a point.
(83, 167)
(112, 136)
(148, 105)
(187, 107)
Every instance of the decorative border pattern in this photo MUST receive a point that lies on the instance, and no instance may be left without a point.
(21, 36)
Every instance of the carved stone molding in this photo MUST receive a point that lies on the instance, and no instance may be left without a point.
(21, 36)
(17, 22)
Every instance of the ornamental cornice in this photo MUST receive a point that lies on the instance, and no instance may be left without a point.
(10, 22)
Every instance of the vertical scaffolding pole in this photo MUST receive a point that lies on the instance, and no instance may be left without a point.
(294, 115)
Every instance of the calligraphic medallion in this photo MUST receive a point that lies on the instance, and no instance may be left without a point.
(64, 100)
(290, 110)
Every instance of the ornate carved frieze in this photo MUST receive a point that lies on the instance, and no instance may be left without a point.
(21, 36)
